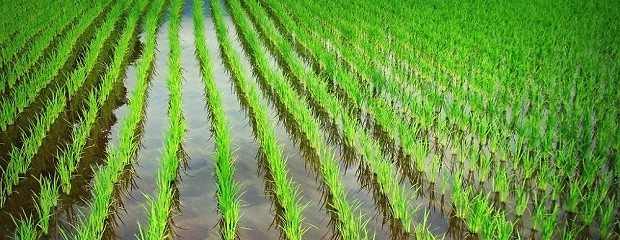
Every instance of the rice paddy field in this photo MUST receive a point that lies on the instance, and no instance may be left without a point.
(286, 119)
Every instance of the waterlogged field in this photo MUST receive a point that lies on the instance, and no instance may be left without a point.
(286, 119)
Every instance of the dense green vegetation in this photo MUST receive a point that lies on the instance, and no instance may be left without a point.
(458, 119)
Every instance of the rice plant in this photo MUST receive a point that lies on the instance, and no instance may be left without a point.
(26, 229)
(48, 199)
(228, 189)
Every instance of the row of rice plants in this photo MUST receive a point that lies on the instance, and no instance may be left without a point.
(527, 127)
(227, 189)
(161, 207)
(25, 94)
(27, 226)
(543, 169)
(549, 75)
(32, 30)
(426, 120)
(422, 156)
(349, 226)
(27, 60)
(106, 177)
(69, 158)
(484, 158)
(363, 143)
(530, 164)
(21, 158)
(377, 107)
(409, 135)
(284, 190)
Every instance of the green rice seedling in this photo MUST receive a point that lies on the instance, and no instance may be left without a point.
(591, 167)
(501, 183)
(485, 167)
(570, 232)
(565, 159)
(459, 195)
(435, 166)
(26, 229)
(591, 203)
(444, 183)
(503, 153)
(544, 176)
(557, 185)
(442, 133)
(462, 152)
(539, 214)
(522, 200)
(420, 151)
(549, 224)
(68, 159)
(161, 207)
(518, 154)
(504, 228)
(48, 199)
(479, 214)
(529, 166)
(494, 142)
(422, 231)
(574, 195)
(607, 216)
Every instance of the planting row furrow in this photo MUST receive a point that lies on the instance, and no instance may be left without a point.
(227, 189)
(349, 226)
(20, 158)
(25, 94)
(106, 177)
(284, 190)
